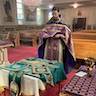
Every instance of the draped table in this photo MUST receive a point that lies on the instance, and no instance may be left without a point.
(4, 44)
(33, 79)
(30, 85)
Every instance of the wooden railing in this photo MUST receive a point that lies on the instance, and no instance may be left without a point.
(19, 33)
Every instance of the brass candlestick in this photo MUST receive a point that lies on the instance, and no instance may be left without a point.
(90, 63)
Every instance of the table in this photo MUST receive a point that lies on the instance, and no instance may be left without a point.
(3, 51)
(81, 86)
(30, 85)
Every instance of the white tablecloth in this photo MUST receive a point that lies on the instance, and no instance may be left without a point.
(4, 44)
(30, 85)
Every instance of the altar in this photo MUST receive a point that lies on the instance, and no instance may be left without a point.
(36, 73)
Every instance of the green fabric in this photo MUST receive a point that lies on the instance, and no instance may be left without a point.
(15, 80)
(55, 70)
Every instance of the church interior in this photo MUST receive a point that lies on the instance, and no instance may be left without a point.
(42, 59)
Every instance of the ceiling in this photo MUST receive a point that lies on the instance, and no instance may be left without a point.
(61, 4)
(82, 4)
(66, 3)
(61, 1)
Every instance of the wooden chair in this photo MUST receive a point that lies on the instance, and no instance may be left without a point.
(30, 36)
(15, 38)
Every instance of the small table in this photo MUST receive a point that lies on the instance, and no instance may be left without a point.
(30, 85)
(81, 86)
(3, 51)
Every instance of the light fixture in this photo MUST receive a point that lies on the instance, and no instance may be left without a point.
(50, 6)
(32, 2)
(75, 5)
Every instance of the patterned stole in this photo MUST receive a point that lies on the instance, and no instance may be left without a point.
(15, 82)
(54, 49)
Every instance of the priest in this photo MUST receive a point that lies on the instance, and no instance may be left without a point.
(56, 42)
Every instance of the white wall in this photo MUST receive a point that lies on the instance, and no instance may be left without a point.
(70, 13)
(88, 12)
(67, 14)
(46, 16)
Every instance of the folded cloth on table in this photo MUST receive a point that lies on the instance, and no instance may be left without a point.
(48, 71)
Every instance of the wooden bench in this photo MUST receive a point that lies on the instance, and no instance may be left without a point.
(84, 44)
(15, 38)
(30, 36)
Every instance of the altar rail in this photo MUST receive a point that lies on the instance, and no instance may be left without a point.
(19, 27)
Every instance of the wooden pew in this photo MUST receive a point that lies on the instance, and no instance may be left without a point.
(30, 36)
(15, 38)
(84, 44)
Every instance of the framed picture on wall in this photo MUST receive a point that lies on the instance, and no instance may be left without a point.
(30, 13)
(79, 24)
(7, 10)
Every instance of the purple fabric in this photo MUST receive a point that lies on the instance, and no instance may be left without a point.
(5, 42)
(52, 49)
(58, 31)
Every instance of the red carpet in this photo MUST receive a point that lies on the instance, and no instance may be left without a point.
(50, 91)
(54, 91)
(16, 54)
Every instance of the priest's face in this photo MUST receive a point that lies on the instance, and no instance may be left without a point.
(55, 13)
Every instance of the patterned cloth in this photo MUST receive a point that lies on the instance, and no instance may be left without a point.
(54, 49)
(54, 20)
(63, 34)
(15, 82)
(5, 42)
(50, 72)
